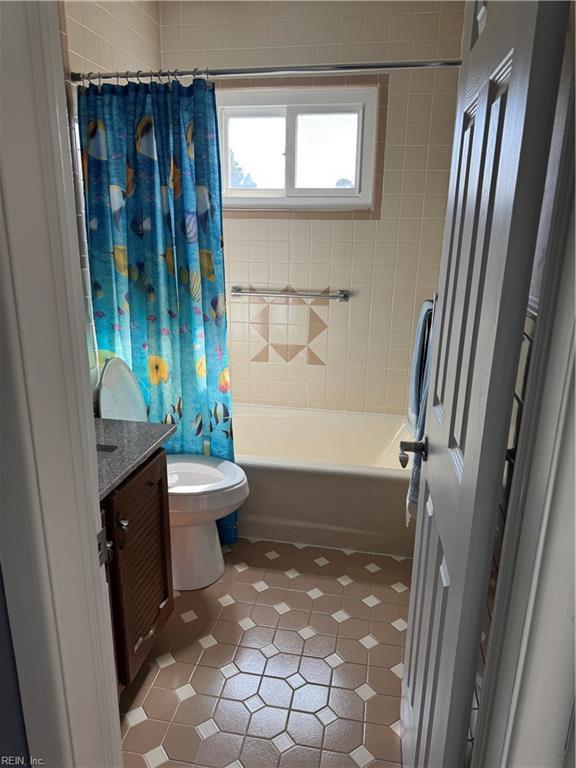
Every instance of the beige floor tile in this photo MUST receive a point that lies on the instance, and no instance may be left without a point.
(259, 753)
(161, 704)
(283, 663)
(144, 736)
(344, 735)
(382, 742)
(182, 743)
(196, 710)
(300, 757)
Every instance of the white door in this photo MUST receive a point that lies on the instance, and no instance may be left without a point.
(512, 56)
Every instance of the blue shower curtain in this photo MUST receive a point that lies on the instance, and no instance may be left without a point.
(154, 218)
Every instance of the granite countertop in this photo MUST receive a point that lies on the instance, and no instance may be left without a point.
(135, 441)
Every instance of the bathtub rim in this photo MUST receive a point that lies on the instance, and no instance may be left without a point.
(250, 460)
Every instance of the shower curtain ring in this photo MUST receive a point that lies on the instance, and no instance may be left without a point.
(99, 82)
(138, 76)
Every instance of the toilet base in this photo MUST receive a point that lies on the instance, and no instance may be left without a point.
(197, 559)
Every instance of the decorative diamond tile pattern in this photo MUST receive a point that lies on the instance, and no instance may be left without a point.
(269, 650)
(400, 625)
(226, 600)
(283, 663)
(135, 716)
(155, 757)
(296, 681)
(368, 641)
(371, 601)
(361, 756)
(365, 691)
(398, 670)
(262, 324)
(327, 716)
(307, 632)
(207, 728)
(185, 692)
(254, 703)
(229, 670)
(283, 741)
(165, 660)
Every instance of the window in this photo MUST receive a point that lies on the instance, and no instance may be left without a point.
(298, 148)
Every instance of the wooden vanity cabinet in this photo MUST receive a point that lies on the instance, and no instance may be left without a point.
(137, 522)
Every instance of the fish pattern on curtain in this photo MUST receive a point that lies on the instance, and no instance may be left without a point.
(153, 207)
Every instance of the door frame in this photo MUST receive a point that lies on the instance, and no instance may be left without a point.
(62, 636)
(56, 592)
(526, 714)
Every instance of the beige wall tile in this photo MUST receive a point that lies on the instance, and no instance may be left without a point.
(392, 264)
(105, 36)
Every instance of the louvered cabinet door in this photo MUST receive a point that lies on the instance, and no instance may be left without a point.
(137, 521)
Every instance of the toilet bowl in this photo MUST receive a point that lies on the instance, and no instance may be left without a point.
(201, 490)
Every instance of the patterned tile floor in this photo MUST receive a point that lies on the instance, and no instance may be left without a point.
(293, 659)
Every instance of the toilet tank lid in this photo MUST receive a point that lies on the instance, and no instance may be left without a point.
(119, 395)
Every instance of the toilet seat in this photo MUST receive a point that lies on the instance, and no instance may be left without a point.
(190, 474)
(119, 394)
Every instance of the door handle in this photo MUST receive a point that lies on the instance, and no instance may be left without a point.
(407, 447)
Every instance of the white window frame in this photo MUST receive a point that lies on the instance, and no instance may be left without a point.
(289, 103)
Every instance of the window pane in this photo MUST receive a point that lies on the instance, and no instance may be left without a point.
(326, 151)
(256, 147)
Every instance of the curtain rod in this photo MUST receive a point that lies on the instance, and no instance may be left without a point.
(285, 71)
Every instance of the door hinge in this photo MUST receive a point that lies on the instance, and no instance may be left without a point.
(105, 547)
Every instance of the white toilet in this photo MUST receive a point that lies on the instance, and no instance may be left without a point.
(201, 489)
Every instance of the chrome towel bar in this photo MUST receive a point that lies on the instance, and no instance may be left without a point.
(339, 295)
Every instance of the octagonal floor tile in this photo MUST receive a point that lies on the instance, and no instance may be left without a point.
(310, 698)
(268, 722)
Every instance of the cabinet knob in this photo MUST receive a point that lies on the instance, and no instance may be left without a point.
(123, 524)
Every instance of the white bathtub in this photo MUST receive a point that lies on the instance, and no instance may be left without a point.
(323, 477)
